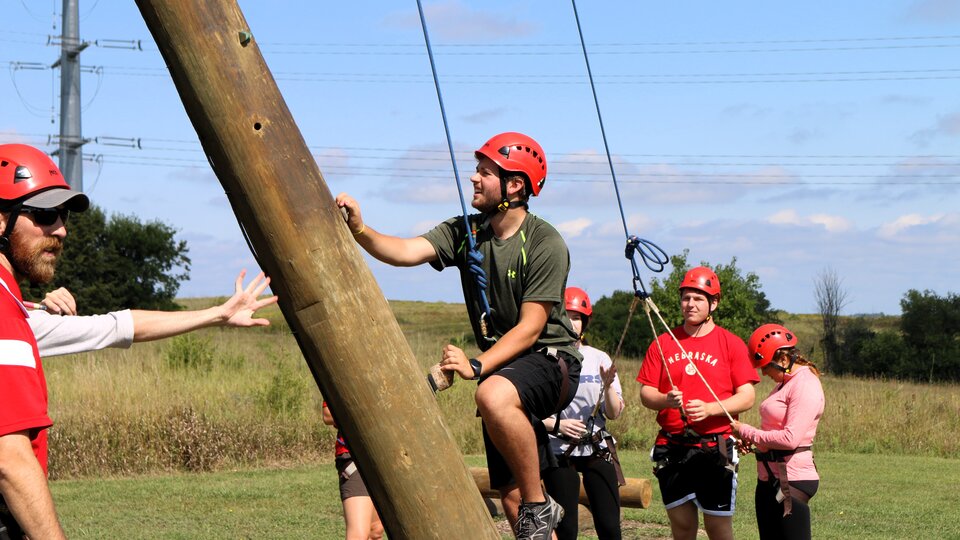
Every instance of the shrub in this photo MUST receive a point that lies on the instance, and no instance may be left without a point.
(190, 351)
(285, 394)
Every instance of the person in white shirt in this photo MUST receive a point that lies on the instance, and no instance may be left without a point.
(579, 439)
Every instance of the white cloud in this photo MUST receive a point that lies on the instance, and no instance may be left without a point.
(831, 223)
(421, 227)
(828, 222)
(573, 228)
(455, 21)
(932, 226)
(947, 125)
(934, 11)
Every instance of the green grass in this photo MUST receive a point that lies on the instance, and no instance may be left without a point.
(281, 503)
(861, 496)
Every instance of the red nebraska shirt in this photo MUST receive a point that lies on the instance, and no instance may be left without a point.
(23, 388)
(720, 356)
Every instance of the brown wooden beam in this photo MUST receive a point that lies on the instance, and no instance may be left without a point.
(636, 494)
(344, 326)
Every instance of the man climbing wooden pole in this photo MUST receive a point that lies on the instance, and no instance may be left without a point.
(344, 326)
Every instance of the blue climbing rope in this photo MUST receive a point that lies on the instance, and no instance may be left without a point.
(653, 257)
(473, 256)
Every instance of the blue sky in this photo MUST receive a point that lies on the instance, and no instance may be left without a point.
(793, 136)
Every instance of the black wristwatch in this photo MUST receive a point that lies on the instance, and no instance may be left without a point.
(477, 367)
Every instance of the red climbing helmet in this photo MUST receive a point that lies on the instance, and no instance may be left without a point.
(576, 299)
(767, 340)
(516, 152)
(703, 279)
(30, 177)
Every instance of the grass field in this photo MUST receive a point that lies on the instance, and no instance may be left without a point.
(218, 435)
(880, 496)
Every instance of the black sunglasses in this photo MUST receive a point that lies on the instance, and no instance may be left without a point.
(46, 216)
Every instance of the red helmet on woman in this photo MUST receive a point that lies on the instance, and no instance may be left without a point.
(29, 176)
(766, 341)
(576, 299)
(516, 152)
(703, 279)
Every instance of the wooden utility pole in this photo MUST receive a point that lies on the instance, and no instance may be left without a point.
(344, 326)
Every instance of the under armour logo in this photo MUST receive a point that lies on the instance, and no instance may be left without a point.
(512, 274)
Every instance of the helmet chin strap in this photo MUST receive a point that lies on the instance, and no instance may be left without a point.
(5, 247)
(505, 203)
(792, 355)
(13, 213)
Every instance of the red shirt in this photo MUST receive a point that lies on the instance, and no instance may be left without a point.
(23, 388)
(339, 447)
(722, 359)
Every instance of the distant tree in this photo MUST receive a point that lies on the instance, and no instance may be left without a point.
(607, 323)
(119, 263)
(931, 329)
(831, 299)
(867, 353)
(743, 307)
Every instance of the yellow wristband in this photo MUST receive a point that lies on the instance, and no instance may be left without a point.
(363, 227)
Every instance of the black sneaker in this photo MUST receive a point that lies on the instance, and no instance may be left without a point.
(536, 521)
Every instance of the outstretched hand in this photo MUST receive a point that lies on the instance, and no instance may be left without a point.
(238, 310)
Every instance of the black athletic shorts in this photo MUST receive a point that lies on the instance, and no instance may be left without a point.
(9, 528)
(703, 476)
(537, 378)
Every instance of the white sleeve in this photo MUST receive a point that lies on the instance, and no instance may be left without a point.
(57, 335)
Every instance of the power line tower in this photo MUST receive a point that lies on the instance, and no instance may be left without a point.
(71, 137)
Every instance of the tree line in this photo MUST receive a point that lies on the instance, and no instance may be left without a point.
(925, 347)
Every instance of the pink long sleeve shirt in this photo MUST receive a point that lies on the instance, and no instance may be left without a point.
(788, 419)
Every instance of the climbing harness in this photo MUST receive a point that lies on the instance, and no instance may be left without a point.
(474, 258)
(781, 482)
(607, 453)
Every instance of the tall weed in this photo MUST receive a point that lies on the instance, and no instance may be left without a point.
(190, 351)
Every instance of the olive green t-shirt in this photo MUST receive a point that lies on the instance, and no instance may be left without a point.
(530, 266)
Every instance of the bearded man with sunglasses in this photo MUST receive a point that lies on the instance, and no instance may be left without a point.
(35, 203)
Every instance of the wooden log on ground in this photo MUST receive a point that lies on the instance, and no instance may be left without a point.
(343, 324)
(636, 494)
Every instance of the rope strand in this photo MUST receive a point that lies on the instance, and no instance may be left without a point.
(474, 257)
(653, 257)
